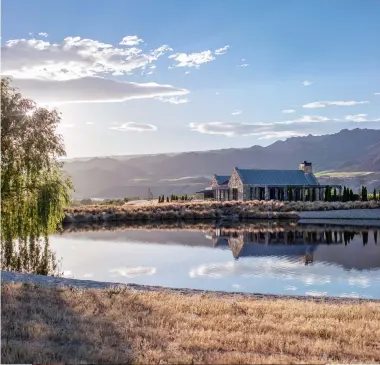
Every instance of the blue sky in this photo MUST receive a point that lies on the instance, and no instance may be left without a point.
(195, 75)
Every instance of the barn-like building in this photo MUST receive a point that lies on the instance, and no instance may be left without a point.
(285, 185)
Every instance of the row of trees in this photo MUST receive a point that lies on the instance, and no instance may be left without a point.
(172, 198)
(331, 194)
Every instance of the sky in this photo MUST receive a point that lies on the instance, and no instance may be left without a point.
(148, 76)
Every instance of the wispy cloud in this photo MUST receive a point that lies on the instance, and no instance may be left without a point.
(243, 65)
(237, 112)
(222, 50)
(173, 100)
(376, 93)
(135, 127)
(307, 83)
(43, 34)
(196, 59)
(74, 57)
(288, 111)
(131, 40)
(360, 118)
(92, 89)
(89, 123)
(306, 119)
(263, 130)
(323, 104)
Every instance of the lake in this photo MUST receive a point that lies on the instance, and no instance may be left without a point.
(265, 257)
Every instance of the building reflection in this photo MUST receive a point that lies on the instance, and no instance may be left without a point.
(284, 241)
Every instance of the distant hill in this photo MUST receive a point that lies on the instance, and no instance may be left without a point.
(355, 150)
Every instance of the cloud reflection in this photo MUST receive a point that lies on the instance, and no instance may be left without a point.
(132, 272)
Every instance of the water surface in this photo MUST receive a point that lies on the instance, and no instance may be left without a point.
(255, 258)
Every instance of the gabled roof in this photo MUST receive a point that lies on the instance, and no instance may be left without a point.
(277, 177)
(222, 179)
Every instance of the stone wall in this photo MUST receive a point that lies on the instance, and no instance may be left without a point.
(236, 183)
(214, 182)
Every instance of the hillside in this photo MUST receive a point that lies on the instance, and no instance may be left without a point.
(348, 151)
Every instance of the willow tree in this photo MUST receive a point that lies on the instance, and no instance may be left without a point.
(33, 190)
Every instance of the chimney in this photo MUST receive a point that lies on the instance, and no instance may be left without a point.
(306, 167)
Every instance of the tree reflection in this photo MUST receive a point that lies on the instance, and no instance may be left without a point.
(29, 256)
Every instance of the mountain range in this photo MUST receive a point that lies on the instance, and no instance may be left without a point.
(350, 157)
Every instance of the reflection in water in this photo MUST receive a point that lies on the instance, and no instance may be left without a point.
(267, 257)
(293, 241)
(28, 256)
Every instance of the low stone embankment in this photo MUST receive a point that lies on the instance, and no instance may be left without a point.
(231, 211)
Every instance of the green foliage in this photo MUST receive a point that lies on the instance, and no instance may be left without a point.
(34, 191)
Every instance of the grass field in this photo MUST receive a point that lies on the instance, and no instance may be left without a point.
(113, 326)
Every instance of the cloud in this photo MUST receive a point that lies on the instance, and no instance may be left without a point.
(89, 123)
(306, 119)
(92, 89)
(243, 65)
(136, 127)
(288, 111)
(271, 130)
(72, 58)
(376, 93)
(196, 59)
(280, 135)
(173, 100)
(323, 104)
(359, 118)
(132, 272)
(237, 112)
(160, 51)
(222, 50)
(131, 40)
(43, 34)
(307, 83)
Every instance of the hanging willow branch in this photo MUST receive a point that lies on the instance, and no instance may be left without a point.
(33, 189)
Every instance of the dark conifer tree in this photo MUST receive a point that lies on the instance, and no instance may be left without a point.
(313, 195)
(364, 194)
(290, 193)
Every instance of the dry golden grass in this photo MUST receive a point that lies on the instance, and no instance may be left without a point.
(113, 326)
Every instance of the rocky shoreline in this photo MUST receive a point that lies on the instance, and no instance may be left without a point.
(50, 281)
(219, 214)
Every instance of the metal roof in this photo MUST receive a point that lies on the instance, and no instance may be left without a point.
(222, 179)
(277, 177)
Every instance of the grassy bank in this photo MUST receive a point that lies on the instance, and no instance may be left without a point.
(192, 211)
(51, 325)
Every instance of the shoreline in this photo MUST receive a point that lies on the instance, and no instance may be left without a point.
(59, 282)
(223, 212)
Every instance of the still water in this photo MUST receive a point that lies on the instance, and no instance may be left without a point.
(258, 258)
